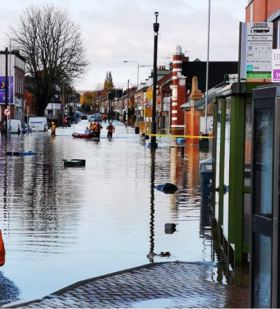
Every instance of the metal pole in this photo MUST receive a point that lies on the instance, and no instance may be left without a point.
(6, 86)
(10, 72)
(127, 102)
(153, 143)
(207, 67)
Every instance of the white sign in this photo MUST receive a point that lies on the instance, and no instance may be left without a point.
(275, 72)
(256, 50)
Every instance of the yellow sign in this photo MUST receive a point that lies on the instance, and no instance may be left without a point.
(149, 94)
(148, 111)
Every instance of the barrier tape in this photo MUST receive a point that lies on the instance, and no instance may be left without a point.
(183, 136)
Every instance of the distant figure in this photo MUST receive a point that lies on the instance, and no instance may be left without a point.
(65, 122)
(53, 128)
(97, 130)
(111, 130)
(104, 117)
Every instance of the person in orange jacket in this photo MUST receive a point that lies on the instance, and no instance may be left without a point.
(2, 250)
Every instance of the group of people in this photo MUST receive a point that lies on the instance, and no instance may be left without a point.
(95, 128)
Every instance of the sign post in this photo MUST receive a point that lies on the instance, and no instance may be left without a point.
(256, 50)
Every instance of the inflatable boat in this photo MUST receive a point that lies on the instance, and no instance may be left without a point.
(83, 135)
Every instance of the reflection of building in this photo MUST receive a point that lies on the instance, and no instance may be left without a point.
(16, 71)
(192, 153)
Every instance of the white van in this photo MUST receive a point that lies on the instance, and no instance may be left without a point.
(14, 126)
(38, 124)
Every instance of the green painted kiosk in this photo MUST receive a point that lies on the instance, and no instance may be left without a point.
(232, 168)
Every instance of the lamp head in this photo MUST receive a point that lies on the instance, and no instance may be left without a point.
(156, 24)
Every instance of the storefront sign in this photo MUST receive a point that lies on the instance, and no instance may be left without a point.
(275, 72)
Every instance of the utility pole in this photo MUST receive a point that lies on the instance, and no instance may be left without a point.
(127, 102)
(153, 144)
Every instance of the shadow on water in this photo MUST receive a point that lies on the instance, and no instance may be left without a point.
(8, 291)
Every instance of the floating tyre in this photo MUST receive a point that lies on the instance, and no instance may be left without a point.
(12, 153)
(168, 188)
(75, 163)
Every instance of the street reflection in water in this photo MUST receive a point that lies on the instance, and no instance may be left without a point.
(62, 225)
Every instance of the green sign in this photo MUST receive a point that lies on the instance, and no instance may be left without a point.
(258, 75)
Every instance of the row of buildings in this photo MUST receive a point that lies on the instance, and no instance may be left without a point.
(177, 85)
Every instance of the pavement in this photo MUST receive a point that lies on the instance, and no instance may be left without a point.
(156, 285)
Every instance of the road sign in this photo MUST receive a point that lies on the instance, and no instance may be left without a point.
(256, 50)
(7, 112)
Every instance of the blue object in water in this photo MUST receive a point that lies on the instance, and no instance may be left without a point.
(27, 153)
(180, 141)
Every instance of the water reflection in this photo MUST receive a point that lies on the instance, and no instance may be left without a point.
(65, 225)
(152, 209)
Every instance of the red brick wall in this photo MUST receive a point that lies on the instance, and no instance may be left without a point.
(262, 9)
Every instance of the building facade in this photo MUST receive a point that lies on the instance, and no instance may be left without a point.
(13, 64)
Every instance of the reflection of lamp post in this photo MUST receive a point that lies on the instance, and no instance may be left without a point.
(151, 253)
(153, 143)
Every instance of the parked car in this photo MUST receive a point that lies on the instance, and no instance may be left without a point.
(84, 117)
(38, 124)
(95, 117)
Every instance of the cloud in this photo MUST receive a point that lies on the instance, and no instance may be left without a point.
(117, 30)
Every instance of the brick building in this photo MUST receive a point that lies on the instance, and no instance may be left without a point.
(265, 11)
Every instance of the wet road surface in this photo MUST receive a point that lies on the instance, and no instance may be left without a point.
(160, 285)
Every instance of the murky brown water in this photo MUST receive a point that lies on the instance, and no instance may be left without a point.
(64, 225)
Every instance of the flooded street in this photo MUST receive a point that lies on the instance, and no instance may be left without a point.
(62, 225)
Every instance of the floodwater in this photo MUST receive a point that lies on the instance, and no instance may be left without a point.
(62, 225)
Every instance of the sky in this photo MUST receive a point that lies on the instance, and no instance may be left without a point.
(117, 30)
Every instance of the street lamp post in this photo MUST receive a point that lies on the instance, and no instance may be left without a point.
(136, 103)
(207, 68)
(138, 65)
(153, 144)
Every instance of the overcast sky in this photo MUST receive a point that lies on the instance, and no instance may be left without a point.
(118, 30)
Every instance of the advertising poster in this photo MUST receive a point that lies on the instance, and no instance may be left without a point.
(10, 90)
(275, 72)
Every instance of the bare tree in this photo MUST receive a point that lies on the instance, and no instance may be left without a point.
(52, 46)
